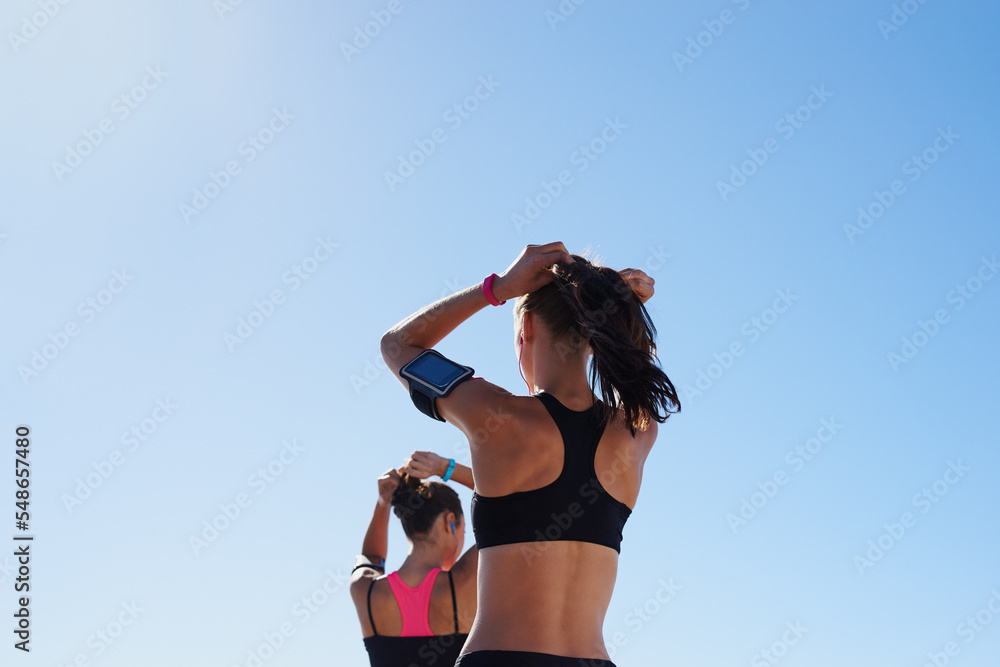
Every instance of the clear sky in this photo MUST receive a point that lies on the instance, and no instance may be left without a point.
(212, 211)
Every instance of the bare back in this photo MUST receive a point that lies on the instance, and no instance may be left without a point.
(548, 596)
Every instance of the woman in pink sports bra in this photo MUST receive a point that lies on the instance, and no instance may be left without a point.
(421, 613)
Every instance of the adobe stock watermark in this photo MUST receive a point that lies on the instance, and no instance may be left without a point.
(640, 616)
(797, 459)
(249, 149)
(899, 17)
(924, 500)
(224, 8)
(99, 641)
(562, 523)
(264, 309)
(779, 648)
(373, 367)
(87, 310)
(655, 260)
(454, 116)
(968, 630)
(131, 440)
(927, 329)
(786, 126)
(714, 27)
(302, 611)
(462, 448)
(916, 166)
(121, 109)
(581, 158)
(364, 34)
(34, 23)
(259, 481)
(562, 12)
(752, 330)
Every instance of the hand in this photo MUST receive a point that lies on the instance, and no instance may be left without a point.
(424, 464)
(387, 483)
(532, 269)
(640, 283)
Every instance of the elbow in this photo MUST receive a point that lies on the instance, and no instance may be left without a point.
(389, 345)
(393, 348)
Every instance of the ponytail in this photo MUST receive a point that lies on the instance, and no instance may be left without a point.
(593, 305)
(418, 504)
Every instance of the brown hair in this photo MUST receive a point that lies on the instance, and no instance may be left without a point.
(419, 504)
(594, 305)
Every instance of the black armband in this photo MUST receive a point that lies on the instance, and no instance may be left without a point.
(431, 375)
(375, 563)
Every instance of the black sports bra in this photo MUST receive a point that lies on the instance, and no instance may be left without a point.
(575, 507)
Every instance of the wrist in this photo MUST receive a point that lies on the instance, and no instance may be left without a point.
(499, 289)
(449, 470)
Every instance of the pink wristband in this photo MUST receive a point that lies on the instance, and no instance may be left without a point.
(488, 290)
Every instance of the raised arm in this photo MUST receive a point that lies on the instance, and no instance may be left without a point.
(374, 548)
(428, 326)
(424, 464)
(467, 405)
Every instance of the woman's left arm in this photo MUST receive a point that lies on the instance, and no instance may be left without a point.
(424, 464)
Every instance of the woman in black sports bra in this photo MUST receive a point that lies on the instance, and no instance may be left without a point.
(557, 472)
(421, 613)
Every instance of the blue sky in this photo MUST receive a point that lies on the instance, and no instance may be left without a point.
(200, 244)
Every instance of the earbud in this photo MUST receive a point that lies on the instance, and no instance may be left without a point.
(452, 527)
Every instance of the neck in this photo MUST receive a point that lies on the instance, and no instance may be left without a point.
(423, 558)
(562, 375)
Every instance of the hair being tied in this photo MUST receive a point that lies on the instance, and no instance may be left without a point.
(594, 305)
(419, 504)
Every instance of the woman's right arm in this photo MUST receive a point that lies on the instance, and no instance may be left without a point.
(371, 561)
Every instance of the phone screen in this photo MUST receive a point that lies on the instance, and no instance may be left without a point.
(435, 370)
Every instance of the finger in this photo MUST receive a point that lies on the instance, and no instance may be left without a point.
(549, 247)
(643, 280)
(548, 260)
(639, 285)
(417, 471)
(632, 275)
(554, 252)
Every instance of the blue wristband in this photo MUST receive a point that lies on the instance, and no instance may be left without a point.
(451, 469)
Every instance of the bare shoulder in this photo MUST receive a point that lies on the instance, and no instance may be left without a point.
(361, 580)
(640, 443)
(481, 409)
(647, 438)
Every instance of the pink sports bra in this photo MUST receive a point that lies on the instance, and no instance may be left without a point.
(414, 603)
